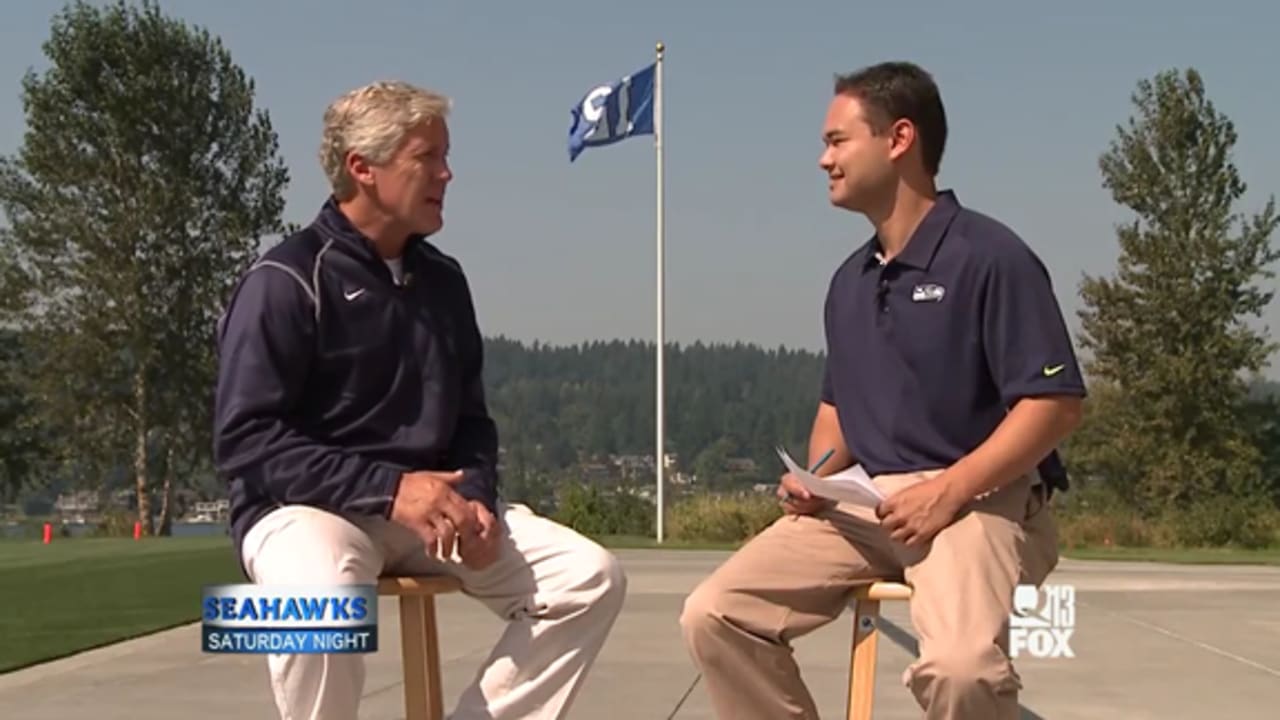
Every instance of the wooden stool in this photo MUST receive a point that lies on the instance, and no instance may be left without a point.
(420, 640)
(862, 663)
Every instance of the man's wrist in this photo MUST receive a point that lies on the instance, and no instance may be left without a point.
(957, 488)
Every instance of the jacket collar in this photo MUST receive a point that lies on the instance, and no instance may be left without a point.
(334, 224)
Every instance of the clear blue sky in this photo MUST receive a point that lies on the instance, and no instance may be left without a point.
(564, 253)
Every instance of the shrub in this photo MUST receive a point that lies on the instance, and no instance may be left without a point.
(116, 523)
(585, 508)
(1109, 529)
(722, 518)
(1224, 522)
(1096, 516)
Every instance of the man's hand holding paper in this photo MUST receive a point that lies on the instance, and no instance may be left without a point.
(849, 485)
(796, 499)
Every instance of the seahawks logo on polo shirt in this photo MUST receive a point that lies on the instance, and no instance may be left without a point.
(929, 292)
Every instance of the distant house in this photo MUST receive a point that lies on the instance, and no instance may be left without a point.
(633, 466)
(209, 511)
(596, 471)
(78, 502)
(123, 499)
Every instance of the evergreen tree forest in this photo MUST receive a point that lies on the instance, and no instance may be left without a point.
(562, 406)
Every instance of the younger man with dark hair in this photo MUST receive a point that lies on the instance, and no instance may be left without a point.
(951, 379)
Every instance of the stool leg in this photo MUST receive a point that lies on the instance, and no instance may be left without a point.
(862, 663)
(420, 649)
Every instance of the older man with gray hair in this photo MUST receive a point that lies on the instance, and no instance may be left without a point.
(352, 427)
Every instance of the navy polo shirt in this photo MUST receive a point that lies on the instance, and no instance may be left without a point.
(926, 353)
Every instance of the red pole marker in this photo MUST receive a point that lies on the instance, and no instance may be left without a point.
(137, 530)
(48, 533)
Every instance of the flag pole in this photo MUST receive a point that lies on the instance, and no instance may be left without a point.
(660, 457)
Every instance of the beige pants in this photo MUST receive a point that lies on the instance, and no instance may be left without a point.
(798, 575)
(558, 591)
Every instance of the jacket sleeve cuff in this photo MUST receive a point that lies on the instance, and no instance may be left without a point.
(386, 485)
(479, 483)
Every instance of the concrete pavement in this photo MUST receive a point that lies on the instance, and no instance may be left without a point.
(1151, 641)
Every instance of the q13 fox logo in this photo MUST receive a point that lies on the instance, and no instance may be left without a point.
(1042, 622)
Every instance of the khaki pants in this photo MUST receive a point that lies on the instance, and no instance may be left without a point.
(558, 591)
(799, 574)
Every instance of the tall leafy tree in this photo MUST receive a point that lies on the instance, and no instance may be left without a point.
(1263, 420)
(144, 185)
(1170, 335)
(22, 445)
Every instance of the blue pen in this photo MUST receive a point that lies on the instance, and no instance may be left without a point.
(822, 460)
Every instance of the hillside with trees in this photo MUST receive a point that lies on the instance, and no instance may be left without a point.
(591, 407)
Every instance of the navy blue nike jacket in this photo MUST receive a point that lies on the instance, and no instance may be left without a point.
(333, 380)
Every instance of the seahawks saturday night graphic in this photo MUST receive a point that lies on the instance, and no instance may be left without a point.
(285, 619)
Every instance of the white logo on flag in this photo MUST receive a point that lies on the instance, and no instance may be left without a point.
(594, 110)
(591, 110)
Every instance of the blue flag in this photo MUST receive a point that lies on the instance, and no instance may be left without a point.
(613, 112)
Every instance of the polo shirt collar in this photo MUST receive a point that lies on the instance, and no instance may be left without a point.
(924, 242)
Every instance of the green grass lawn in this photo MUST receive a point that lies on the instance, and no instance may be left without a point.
(75, 594)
